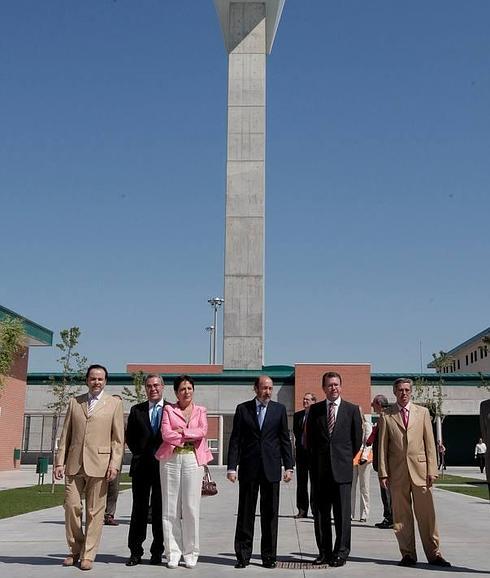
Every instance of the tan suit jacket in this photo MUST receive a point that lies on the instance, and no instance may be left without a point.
(402, 450)
(94, 442)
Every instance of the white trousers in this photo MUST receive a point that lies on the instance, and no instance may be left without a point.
(361, 473)
(181, 480)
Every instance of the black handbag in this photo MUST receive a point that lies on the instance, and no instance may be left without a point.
(208, 487)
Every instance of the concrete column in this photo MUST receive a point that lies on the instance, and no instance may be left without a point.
(243, 328)
(249, 28)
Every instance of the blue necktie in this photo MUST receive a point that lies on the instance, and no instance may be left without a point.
(155, 418)
(261, 414)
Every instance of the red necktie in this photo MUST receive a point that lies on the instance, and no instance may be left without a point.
(405, 417)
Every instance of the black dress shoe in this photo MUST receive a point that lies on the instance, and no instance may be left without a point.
(320, 560)
(269, 564)
(155, 560)
(439, 561)
(407, 560)
(133, 560)
(336, 562)
(384, 525)
(241, 564)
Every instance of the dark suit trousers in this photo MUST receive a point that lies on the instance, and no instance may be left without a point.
(328, 495)
(269, 510)
(386, 499)
(146, 482)
(302, 475)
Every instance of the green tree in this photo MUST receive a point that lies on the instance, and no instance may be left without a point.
(430, 393)
(12, 341)
(66, 385)
(484, 383)
(137, 394)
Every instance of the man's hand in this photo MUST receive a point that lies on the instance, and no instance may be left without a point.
(288, 476)
(111, 474)
(59, 472)
(231, 476)
(383, 482)
(430, 480)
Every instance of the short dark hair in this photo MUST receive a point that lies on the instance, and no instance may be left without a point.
(180, 379)
(97, 366)
(330, 374)
(381, 399)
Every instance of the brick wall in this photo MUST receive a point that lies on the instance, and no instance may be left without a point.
(12, 402)
(356, 382)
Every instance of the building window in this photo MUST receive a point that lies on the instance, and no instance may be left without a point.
(466, 359)
(459, 364)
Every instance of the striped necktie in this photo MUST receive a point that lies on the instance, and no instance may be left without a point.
(91, 404)
(331, 417)
(155, 418)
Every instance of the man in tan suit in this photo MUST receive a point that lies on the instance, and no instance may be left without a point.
(408, 464)
(89, 456)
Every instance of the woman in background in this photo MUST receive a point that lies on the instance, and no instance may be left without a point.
(362, 472)
(182, 455)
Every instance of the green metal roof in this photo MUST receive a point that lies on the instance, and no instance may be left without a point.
(37, 335)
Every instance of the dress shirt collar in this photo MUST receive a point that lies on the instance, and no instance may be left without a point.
(94, 397)
(159, 403)
(336, 402)
(407, 407)
(258, 402)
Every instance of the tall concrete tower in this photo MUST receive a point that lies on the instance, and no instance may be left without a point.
(249, 27)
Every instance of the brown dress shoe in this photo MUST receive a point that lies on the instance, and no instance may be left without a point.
(109, 521)
(86, 565)
(71, 560)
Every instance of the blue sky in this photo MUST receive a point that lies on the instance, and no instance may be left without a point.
(112, 172)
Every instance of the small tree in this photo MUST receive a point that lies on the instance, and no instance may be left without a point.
(12, 341)
(73, 368)
(484, 383)
(137, 394)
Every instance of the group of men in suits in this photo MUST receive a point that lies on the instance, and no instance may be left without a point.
(92, 443)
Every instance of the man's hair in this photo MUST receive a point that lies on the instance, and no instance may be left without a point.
(97, 366)
(257, 380)
(312, 395)
(401, 380)
(381, 399)
(330, 374)
(180, 379)
(157, 375)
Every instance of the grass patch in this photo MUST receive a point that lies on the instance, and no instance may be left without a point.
(449, 479)
(18, 501)
(474, 491)
(23, 500)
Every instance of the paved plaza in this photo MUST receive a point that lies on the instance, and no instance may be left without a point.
(33, 545)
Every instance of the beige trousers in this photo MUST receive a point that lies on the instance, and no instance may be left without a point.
(95, 490)
(403, 498)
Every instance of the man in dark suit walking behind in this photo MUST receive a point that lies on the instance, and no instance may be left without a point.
(259, 443)
(334, 437)
(302, 456)
(143, 438)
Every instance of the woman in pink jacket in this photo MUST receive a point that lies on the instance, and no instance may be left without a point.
(183, 453)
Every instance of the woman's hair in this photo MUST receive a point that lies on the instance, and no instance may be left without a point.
(179, 380)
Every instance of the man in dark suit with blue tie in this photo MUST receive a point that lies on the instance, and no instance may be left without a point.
(143, 437)
(334, 437)
(259, 445)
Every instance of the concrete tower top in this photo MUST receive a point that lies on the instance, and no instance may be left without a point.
(273, 11)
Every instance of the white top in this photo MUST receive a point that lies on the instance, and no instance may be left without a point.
(481, 448)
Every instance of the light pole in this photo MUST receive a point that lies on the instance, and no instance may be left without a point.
(216, 303)
(210, 330)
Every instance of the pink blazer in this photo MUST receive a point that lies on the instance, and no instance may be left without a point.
(195, 431)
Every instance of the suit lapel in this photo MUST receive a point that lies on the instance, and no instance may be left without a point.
(101, 403)
(252, 408)
(269, 414)
(323, 417)
(145, 411)
(397, 416)
(84, 405)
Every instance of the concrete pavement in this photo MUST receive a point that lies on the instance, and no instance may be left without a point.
(34, 545)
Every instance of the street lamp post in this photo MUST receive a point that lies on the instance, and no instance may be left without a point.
(216, 303)
(210, 330)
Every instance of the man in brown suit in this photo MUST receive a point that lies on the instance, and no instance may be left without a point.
(408, 463)
(89, 455)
